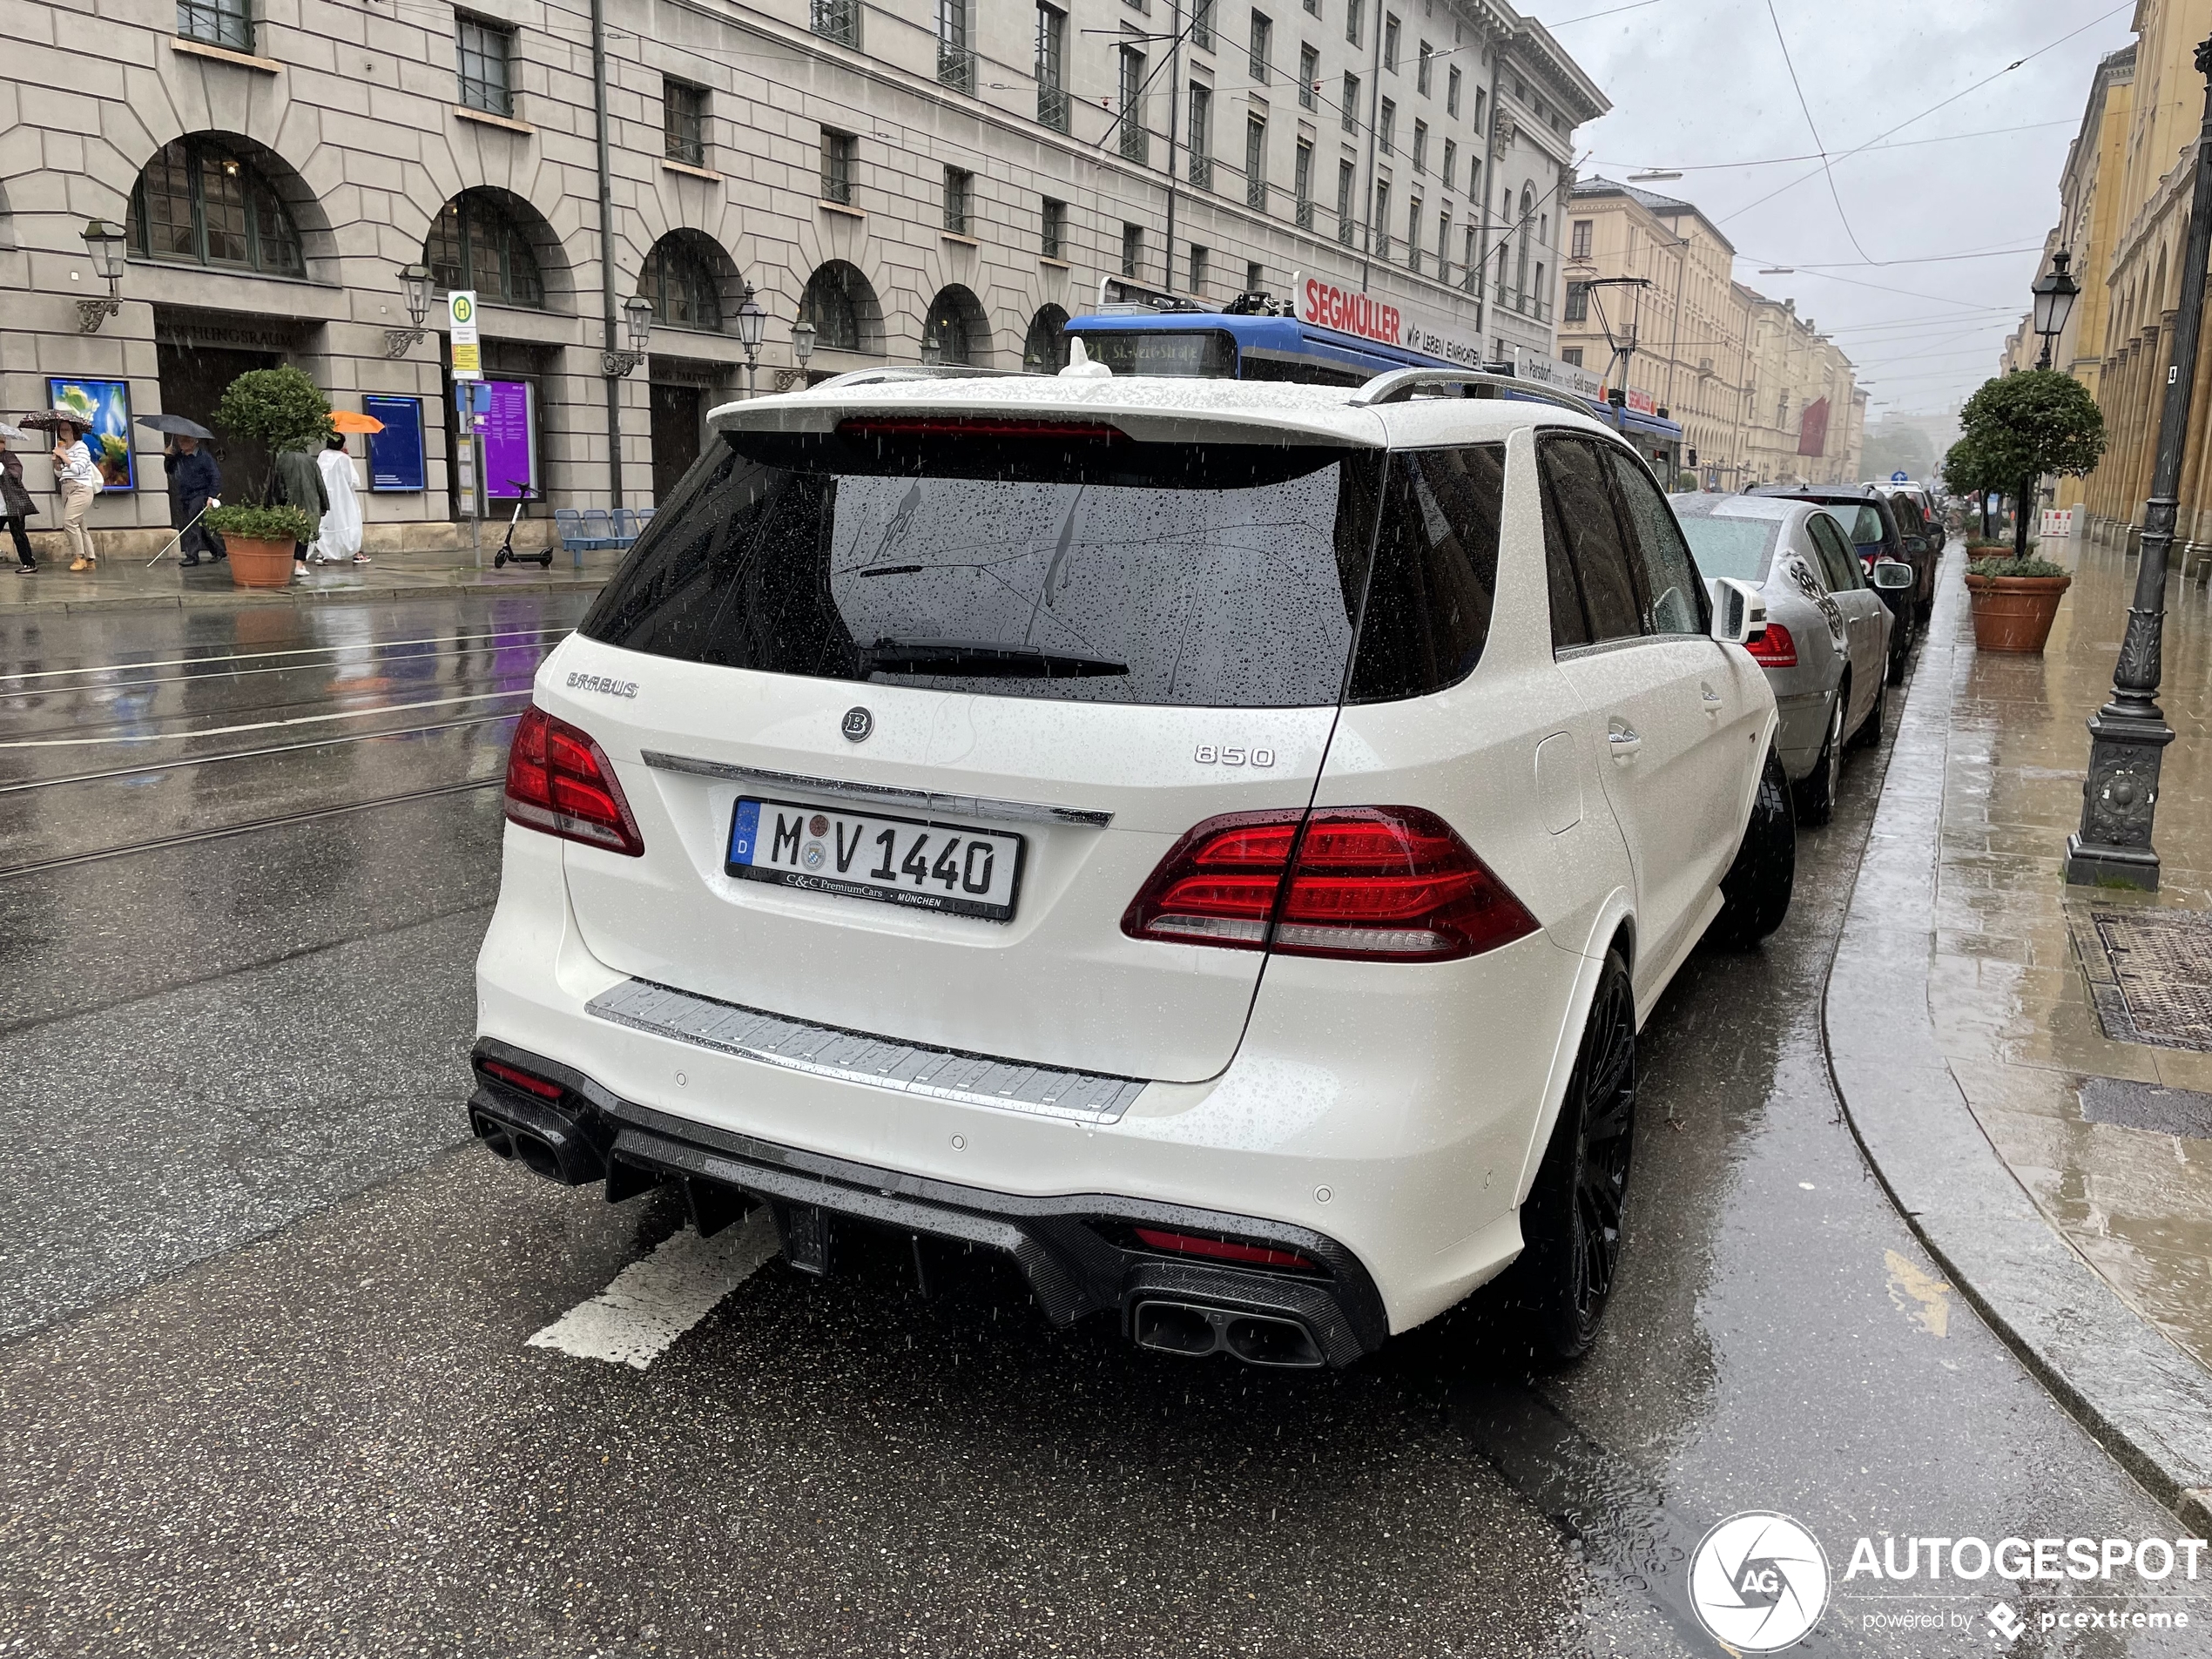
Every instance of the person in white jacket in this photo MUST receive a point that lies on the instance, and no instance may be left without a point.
(338, 540)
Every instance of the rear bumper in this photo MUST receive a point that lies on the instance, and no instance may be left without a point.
(1077, 1252)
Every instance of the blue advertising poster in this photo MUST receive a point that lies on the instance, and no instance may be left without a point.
(395, 453)
(105, 407)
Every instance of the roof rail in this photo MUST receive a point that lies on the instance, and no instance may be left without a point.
(1396, 385)
(891, 372)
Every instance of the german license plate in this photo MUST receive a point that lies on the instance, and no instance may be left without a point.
(946, 867)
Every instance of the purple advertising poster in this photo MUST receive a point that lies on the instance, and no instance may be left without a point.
(511, 441)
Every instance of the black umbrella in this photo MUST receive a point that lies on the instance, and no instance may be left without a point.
(175, 425)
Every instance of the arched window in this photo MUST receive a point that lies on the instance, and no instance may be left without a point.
(840, 304)
(956, 326)
(681, 281)
(1045, 350)
(198, 202)
(475, 242)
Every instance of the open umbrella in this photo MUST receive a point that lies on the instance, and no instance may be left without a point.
(55, 419)
(347, 420)
(13, 433)
(175, 425)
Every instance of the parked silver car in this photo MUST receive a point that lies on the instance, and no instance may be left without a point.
(1827, 639)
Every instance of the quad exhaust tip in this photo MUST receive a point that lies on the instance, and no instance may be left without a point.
(1195, 1330)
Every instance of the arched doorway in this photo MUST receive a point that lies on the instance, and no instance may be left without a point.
(842, 307)
(694, 286)
(1044, 351)
(225, 204)
(956, 327)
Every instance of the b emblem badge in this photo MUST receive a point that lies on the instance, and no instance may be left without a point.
(858, 724)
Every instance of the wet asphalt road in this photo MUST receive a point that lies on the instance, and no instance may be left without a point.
(266, 1384)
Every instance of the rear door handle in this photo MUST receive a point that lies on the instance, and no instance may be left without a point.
(1710, 697)
(1622, 741)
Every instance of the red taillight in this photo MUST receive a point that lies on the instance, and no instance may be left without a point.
(522, 1080)
(1222, 1250)
(1774, 648)
(1373, 883)
(559, 780)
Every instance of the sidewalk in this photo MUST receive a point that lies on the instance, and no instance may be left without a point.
(1988, 1044)
(123, 583)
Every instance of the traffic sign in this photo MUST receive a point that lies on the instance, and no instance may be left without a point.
(1899, 478)
(460, 317)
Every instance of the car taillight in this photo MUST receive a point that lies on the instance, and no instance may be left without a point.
(1774, 648)
(543, 1088)
(559, 780)
(1370, 883)
(1222, 1250)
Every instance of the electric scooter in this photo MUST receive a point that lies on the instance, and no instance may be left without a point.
(506, 553)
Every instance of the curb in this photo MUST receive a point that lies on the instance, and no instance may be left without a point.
(2141, 1398)
(256, 598)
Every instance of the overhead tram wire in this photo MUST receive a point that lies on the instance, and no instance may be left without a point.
(2125, 5)
(1874, 148)
(1826, 167)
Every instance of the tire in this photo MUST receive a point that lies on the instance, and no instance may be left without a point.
(1561, 1283)
(1901, 633)
(1877, 721)
(1755, 891)
(1817, 793)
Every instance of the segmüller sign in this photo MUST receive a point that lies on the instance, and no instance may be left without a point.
(1323, 304)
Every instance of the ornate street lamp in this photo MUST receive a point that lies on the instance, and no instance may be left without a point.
(637, 322)
(2054, 292)
(2127, 737)
(105, 243)
(802, 342)
(753, 321)
(415, 283)
(933, 354)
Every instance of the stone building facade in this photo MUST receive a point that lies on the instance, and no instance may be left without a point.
(1760, 394)
(2123, 219)
(951, 180)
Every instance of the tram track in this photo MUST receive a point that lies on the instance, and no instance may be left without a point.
(111, 773)
(543, 634)
(248, 827)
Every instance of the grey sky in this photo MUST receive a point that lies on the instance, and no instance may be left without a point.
(1696, 82)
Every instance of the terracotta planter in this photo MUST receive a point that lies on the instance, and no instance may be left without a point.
(258, 565)
(2014, 612)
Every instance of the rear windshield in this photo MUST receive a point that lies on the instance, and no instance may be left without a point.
(1035, 566)
(1078, 570)
(1731, 547)
(1863, 523)
(1183, 353)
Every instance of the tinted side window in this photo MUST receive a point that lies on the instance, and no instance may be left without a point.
(1435, 573)
(1838, 562)
(1674, 595)
(1580, 517)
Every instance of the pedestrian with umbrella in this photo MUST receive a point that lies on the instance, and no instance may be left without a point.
(16, 504)
(193, 480)
(76, 479)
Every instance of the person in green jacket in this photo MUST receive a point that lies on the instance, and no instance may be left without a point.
(299, 484)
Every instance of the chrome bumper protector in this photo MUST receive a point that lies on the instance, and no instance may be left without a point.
(856, 1057)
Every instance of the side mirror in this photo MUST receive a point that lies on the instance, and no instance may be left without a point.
(1739, 611)
(1916, 544)
(1890, 574)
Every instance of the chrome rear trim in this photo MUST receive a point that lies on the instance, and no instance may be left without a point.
(927, 800)
(856, 1057)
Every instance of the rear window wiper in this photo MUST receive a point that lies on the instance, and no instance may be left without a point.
(980, 659)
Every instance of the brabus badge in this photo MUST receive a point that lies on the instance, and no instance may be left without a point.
(858, 724)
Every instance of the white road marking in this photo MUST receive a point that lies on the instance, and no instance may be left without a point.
(259, 726)
(655, 1300)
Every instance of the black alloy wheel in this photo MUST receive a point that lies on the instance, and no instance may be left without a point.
(1755, 891)
(1572, 1223)
(1817, 793)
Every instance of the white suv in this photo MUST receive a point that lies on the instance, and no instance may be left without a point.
(1189, 836)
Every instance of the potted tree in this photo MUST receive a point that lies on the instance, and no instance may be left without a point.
(283, 409)
(2017, 428)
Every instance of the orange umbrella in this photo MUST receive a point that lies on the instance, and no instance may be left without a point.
(346, 421)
